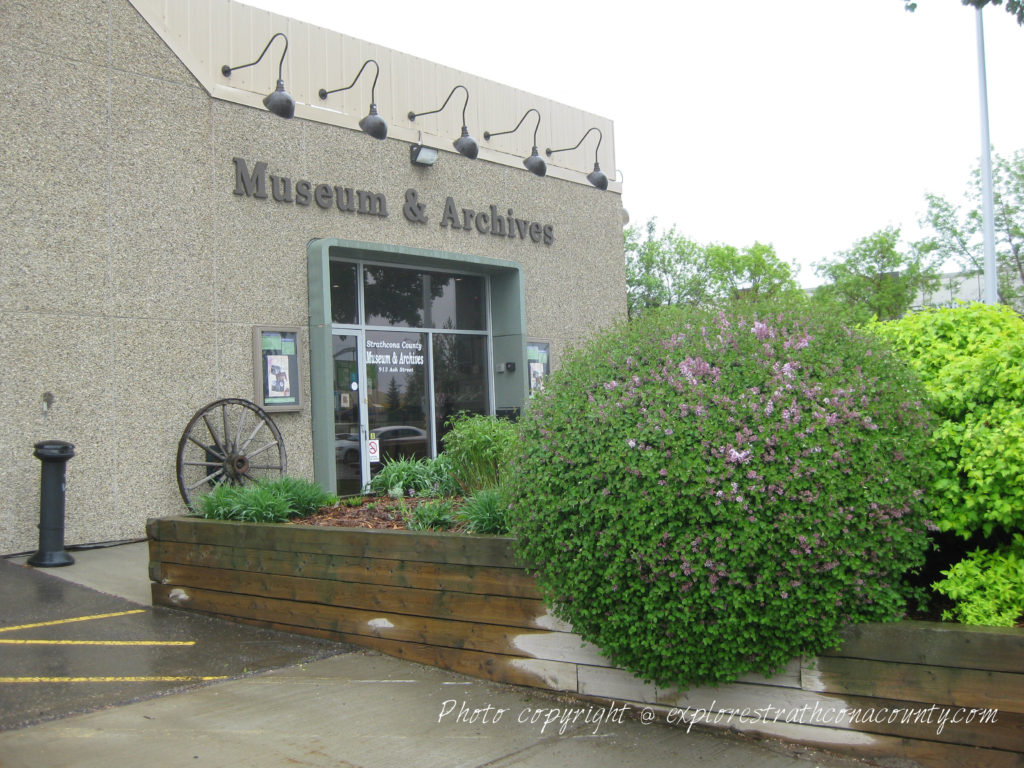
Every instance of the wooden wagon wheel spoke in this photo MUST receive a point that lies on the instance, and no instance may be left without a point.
(207, 479)
(216, 448)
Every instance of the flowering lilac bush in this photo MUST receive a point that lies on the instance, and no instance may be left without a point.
(708, 494)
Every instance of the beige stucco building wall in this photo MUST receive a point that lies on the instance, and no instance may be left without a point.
(132, 275)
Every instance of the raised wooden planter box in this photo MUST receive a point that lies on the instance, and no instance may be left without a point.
(913, 689)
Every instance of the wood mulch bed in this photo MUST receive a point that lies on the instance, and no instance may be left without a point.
(381, 512)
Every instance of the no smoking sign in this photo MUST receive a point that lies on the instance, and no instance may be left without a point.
(373, 450)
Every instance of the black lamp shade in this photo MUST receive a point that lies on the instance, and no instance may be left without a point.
(535, 164)
(280, 102)
(466, 145)
(374, 125)
(598, 178)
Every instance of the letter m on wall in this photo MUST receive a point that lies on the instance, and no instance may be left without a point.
(250, 184)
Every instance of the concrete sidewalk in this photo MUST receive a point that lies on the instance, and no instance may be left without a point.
(364, 709)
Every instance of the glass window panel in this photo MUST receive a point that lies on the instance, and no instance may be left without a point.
(347, 442)
(344, 293)
(396, 387)
(411, 299)
(460, 378)
(454, 302)
(393, 296)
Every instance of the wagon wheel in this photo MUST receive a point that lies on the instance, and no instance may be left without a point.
(229, 441)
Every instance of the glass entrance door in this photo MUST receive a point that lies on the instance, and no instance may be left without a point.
(411, 349)
(397, 394)
(349, 432)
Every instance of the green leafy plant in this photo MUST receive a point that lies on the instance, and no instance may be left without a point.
(264, 502)
(971, 360)
(486, 511)
(414, 477)
(478, 449)
(432, 515)
(705, 494)
(987, 586)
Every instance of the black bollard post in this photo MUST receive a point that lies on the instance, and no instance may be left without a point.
(54, 454)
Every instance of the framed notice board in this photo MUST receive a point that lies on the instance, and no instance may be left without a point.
(276, 367)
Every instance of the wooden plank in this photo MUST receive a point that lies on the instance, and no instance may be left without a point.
(323, 621)
(915, 682)
(456, 577)
(549, 675)
(909, 719)
(998, 649)
(931, 754)
(461, 606)
(614, 683)
(489, 638)
(354, 542)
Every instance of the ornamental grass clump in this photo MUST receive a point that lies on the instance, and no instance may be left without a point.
(705, 494)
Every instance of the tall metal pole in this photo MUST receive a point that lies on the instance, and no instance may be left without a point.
(988, 218)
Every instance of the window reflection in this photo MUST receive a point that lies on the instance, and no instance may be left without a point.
(411, 299)
(344, 293)
(460, 378)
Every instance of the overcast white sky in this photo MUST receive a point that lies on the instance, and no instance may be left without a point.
(802, 123)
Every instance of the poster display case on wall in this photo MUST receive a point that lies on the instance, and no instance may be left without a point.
(538, 358)
(276, 367)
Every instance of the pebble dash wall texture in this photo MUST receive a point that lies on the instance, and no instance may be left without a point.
(132, 275)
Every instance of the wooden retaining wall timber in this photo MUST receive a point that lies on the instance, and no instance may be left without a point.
(463, 603)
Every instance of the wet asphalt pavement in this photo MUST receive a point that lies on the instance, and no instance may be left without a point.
(66, 649)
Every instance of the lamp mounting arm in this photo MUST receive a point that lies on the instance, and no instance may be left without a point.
(600, 137)
(414, 115)
(373, 89)
(226, 70)
(488, 135)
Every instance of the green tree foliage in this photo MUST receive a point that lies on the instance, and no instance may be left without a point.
(878, 278)
(971, 361)
(957, 230)
(669, 269)
(708, 493)
(1014, 7)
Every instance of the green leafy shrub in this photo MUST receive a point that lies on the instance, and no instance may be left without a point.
(708, 494)
(971, 361)
(479, 448)
(414, 477)
(264, 502)
(433, 515)
(987, 587)
(486, 511)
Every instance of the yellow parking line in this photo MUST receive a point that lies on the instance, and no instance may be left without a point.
(164, 679)
(70, 621)
(97, 642)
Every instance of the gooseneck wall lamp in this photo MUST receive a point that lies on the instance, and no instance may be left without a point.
(373, 124)
(465, 145)
(534, 163)
(278, 101)
(596, 177)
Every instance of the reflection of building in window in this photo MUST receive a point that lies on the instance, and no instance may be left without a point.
(538, 361)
